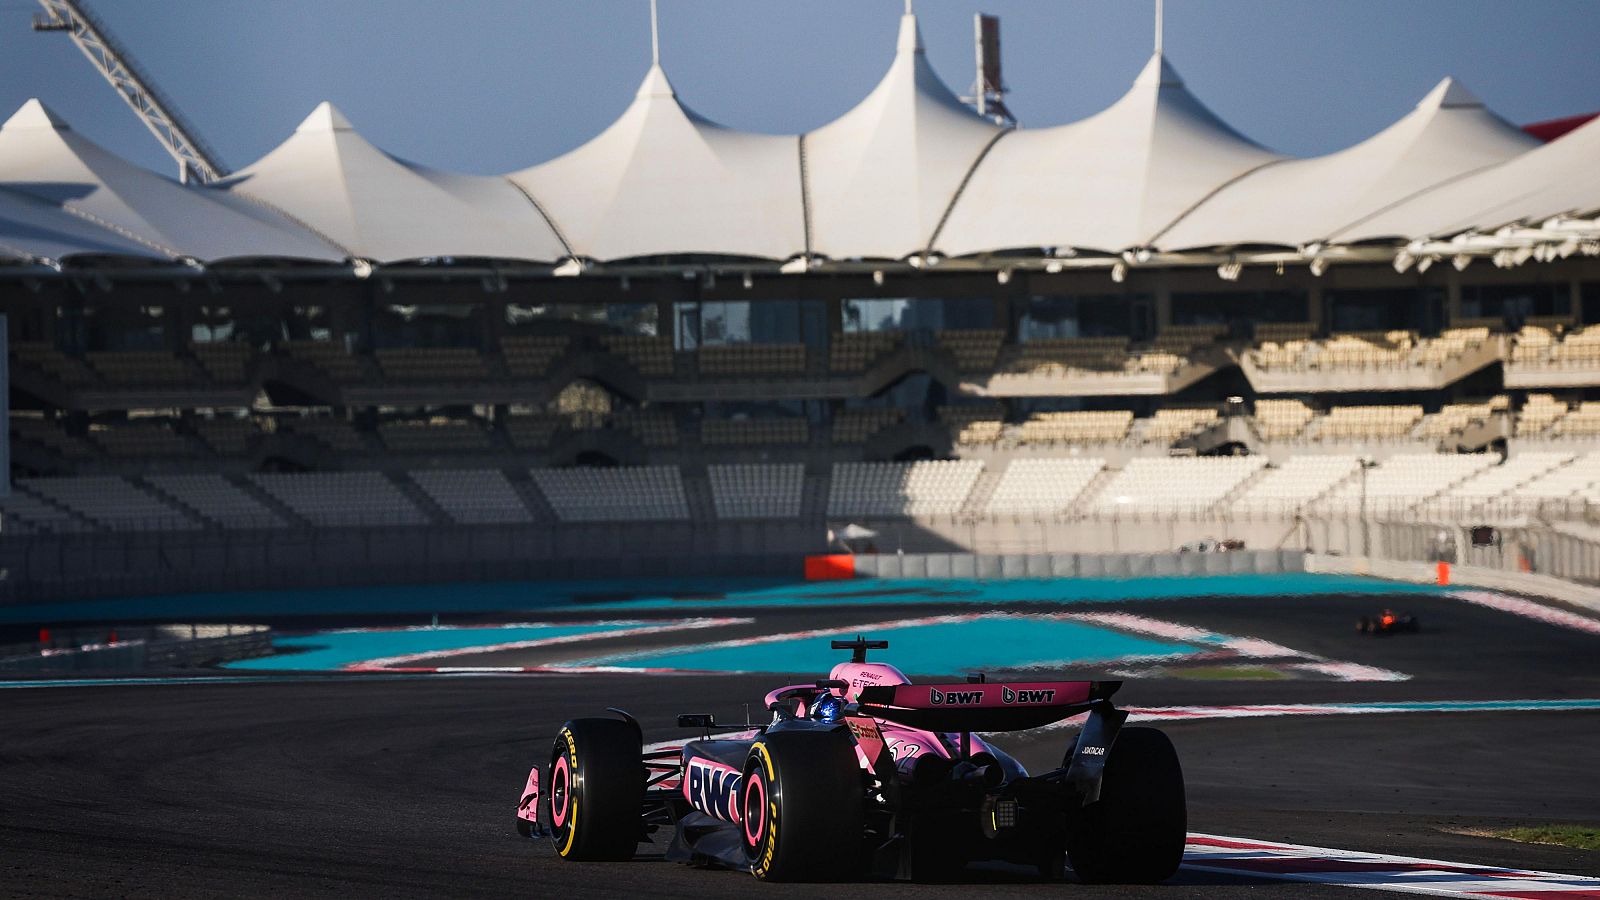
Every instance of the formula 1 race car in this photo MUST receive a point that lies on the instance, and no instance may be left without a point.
(1388, 622)
(865, 773)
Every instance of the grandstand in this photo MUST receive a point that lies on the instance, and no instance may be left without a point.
(1013, 342)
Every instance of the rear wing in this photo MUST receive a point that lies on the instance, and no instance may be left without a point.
(993, 706)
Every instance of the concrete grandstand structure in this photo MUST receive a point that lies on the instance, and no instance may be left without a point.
(684, 341)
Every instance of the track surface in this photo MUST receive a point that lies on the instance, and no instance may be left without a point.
(406, 788)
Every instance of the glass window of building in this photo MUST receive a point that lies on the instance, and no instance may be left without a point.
(916, 313)
(1514, 303)
(1233, 307)
(1072, 316)
(422, 325)
(1415, 309)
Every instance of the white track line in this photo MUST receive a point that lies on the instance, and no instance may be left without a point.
(1349, 868)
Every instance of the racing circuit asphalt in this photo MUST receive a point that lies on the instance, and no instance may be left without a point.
(370, 786)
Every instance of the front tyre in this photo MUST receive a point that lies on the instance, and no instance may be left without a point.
(597, 780)
(801, 807)
(1135, 832)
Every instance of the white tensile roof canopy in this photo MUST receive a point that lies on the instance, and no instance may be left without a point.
(377, 207)
(663, 180)
(1559, 178)
(31, 229)
(909, 171)
(1448, 135)
(880, 178)
(1107, 183)
(43, 158)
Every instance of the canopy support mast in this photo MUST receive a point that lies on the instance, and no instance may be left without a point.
(196, 161)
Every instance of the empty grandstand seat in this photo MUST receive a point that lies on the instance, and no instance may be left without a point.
(533, 432)
(1061, 356)
(342, 498)
(1402, 481)
(441, 436)
(227, 362)
(1583, 421)
(1287, 488)
(1368, 423)
(929, 487)
(152, 368)
(756, 491)
(1169, 425)
(652, 356)
(1185, 339)
(623, 494)
(653, 427)
(219, 501)
(1174, 484)
(975, 350)
(1538, 414)
(532, 357)
(49, 435)
(473, 497)
(327, 357)
(1578, 348)
(431, 364)
(110, 502)
(68, 370)
(857, 351)
(1503, 480)
(856, 425)
(1081, 427)
(1453, 418)
(228, 435)
(1279, 332)
(134, 440)
(1042, 485)
(980, 423)
(1580, 478)
(334, 433)
(752, 359)
(23, 513)
(723, 432)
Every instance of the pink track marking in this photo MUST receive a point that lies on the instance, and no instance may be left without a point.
(1349, 868)
(1230, 647)
(1530, 610)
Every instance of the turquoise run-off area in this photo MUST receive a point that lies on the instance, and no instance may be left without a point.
(329, 650)
(990, 642)
(650, 594)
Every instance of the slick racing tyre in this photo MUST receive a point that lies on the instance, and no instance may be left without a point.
(596, 790)
(801, 807)
(1135, 832)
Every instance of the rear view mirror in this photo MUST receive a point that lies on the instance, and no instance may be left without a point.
(697, 720)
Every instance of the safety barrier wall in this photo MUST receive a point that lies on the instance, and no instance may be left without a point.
(1459, 576)
(153, 650)
(46, 568)
(1074, 565)
(42, 568)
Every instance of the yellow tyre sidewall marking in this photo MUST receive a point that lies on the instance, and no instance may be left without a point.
(572, 796)
(763, 862)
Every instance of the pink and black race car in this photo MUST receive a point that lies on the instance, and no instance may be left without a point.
(866, 773)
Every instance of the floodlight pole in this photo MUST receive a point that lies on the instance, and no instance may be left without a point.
(196, 161)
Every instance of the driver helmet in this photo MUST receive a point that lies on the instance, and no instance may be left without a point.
(827, 708)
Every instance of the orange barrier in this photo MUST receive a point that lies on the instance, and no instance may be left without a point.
(1444, 572)
(833, 567)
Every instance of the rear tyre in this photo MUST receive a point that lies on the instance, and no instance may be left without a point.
(597, 780)
(802, 807)
(1135, 832)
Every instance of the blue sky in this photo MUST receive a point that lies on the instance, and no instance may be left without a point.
(496, 85)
